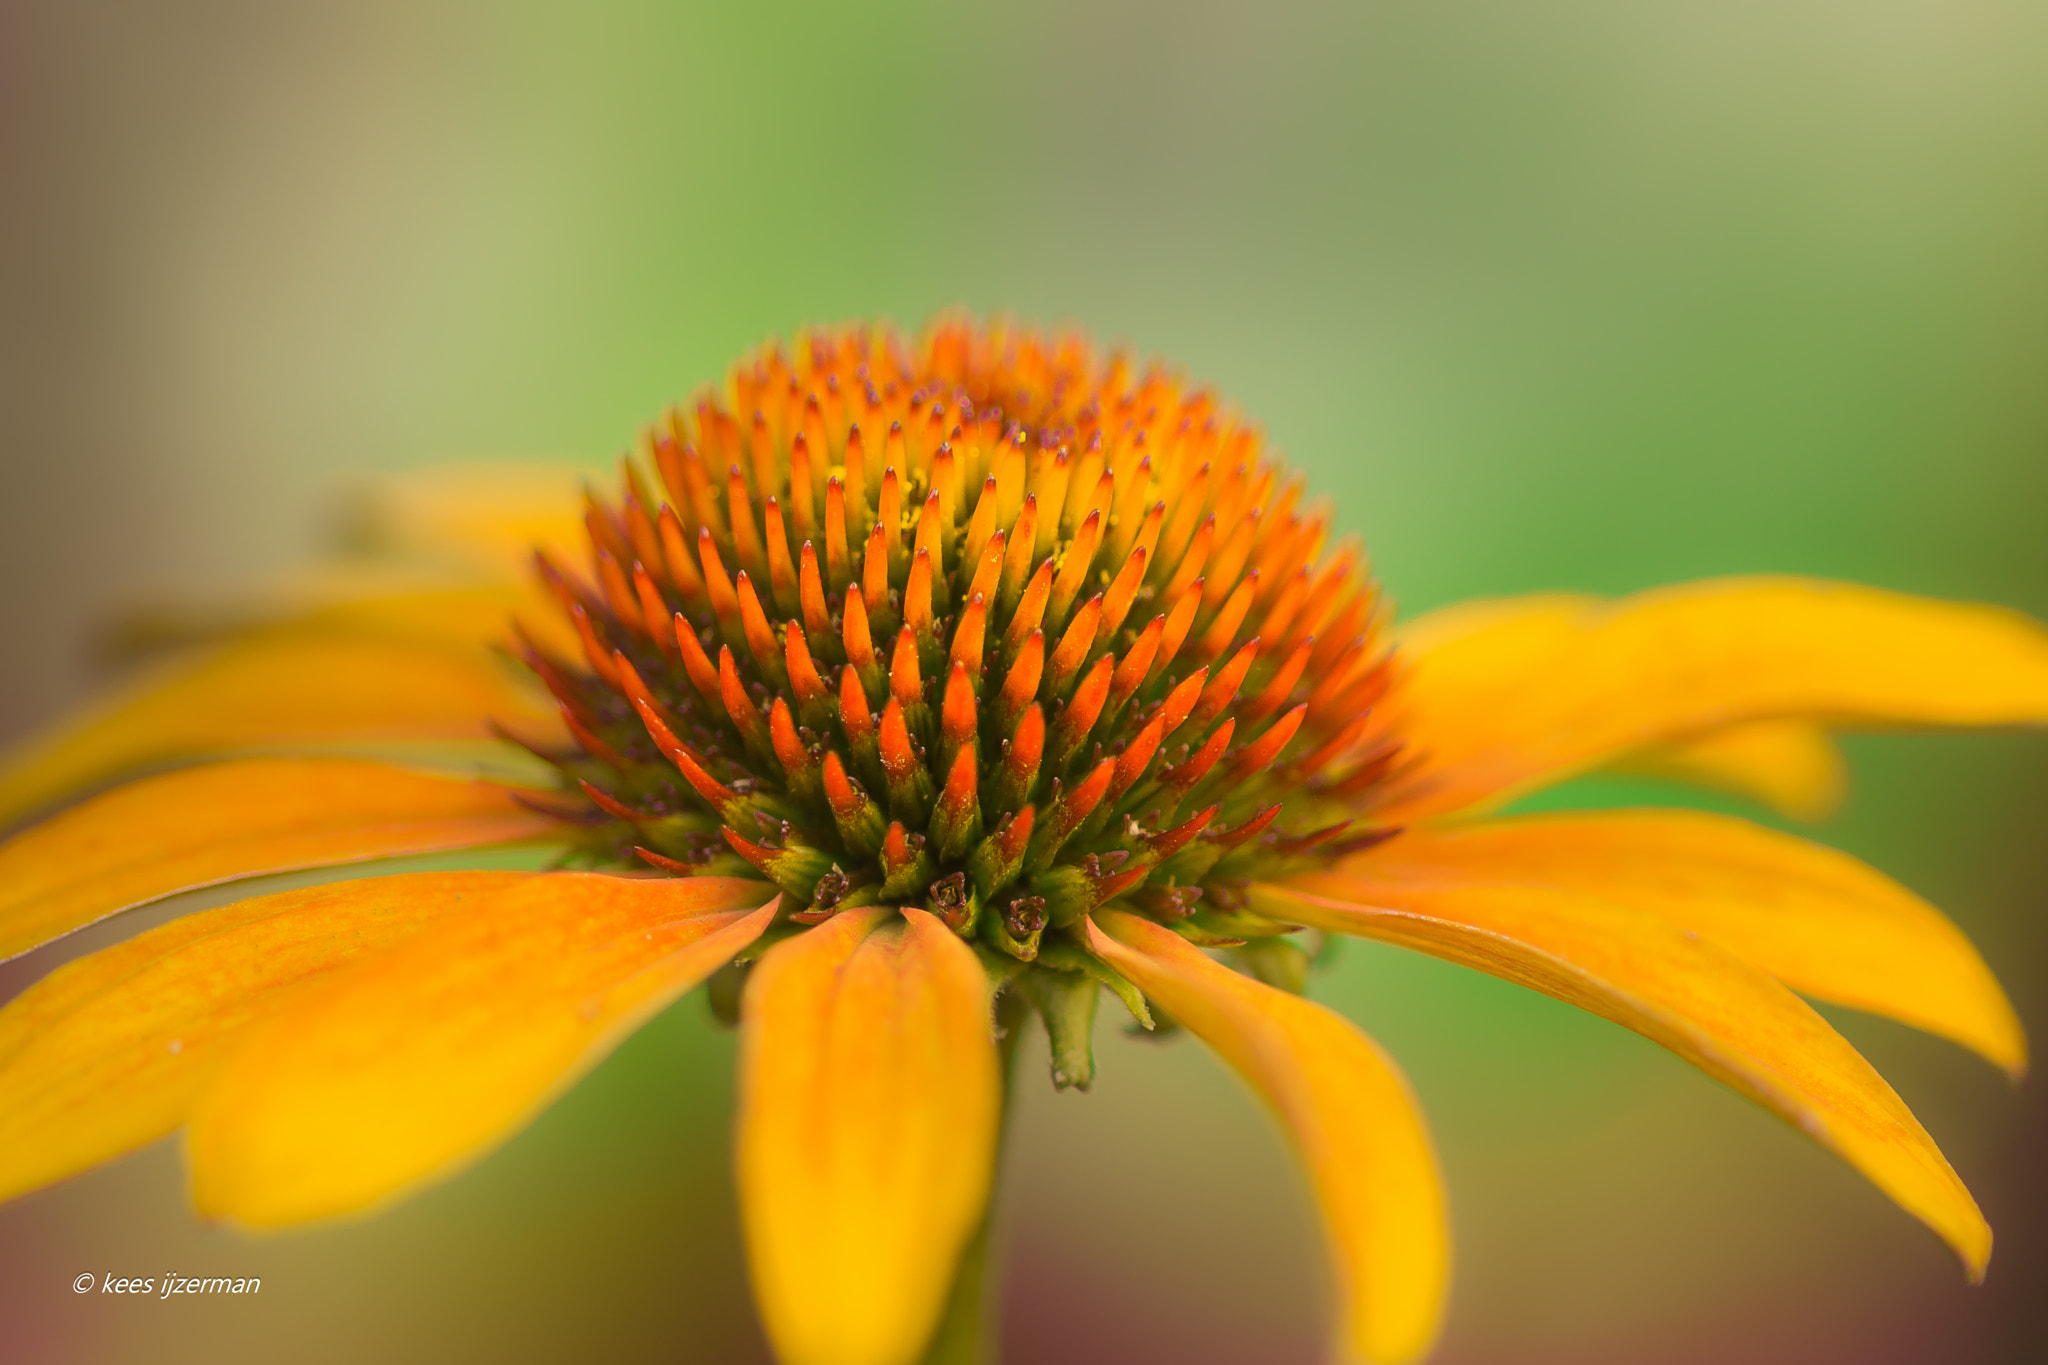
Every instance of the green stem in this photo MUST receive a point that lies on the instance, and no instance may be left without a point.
(966, 1334)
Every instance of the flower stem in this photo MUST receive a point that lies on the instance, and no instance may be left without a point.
(966, 1332)
(965, 1335)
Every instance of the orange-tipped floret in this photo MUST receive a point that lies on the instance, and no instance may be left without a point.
(962, 623)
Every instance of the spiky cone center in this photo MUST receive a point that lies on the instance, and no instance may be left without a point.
(984, 624)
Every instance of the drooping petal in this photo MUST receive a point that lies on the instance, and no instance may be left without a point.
(230, 820)
(423, 1059)
(1350, 1113)
(869, 1104)
(109, 1052)
(1677, 989)
(1792, 766)
(274, 692)
(1499, 701)
(1817, 919)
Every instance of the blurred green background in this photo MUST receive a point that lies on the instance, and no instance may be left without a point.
(1587, 295)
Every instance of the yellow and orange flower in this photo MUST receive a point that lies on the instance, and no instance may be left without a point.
(905, 690)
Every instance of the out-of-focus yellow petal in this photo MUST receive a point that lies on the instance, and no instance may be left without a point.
(449, 548)
(1791, 766)
(1677, 989)
(480, 618)
(869, 1105)
(108, 1053)
(1536, 615)
(274, 692)
(1517, 699)
(422, 1060)
(485, 516)
(1350, 1113)
(225, 821)
(350, 599)
(1817, 919)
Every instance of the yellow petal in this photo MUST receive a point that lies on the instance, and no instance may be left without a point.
(1677, 989)
(1536, 613)
(271, 692)
(1791, 766)
(1350, 1113)
(423, 1059)
(224, 821)
(108, 1053)
(1817, 919)
(1513, 699)
(480, 618)
(869, 1104)
(349, 598)
(484, 516)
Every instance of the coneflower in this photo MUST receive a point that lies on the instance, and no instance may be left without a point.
(908, 690)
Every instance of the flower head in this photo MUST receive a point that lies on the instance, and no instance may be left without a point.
(981, 626)
(911, 689)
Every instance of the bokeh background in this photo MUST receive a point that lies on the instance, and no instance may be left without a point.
(1581, 294)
